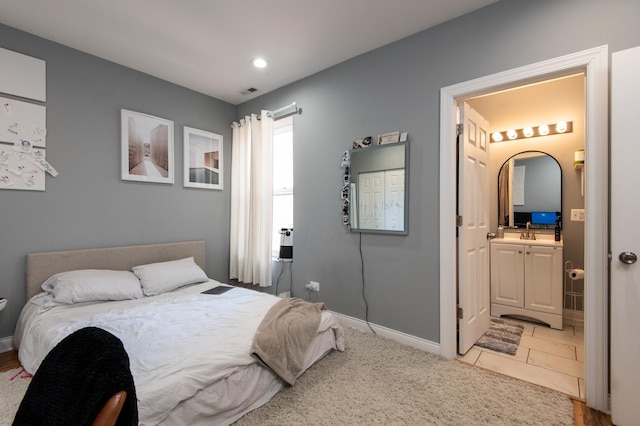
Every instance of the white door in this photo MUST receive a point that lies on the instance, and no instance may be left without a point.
(371, 199)
(473, 245)
(625, 237)
(394, 199)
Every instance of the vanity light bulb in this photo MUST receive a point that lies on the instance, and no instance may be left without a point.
(561, 127)
(497, 136)
(528, 132)
(512, 134)
(544, 130)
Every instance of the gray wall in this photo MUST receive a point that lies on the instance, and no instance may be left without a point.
(397, 87)
(88, 205)
(393, 88)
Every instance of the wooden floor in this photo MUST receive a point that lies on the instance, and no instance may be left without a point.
(9, 361)
(582, 415)
(585, 416)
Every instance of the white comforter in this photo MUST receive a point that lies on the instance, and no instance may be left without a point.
(178, 342)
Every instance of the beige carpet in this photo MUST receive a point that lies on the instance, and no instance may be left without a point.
(377, 381)
(13, 386)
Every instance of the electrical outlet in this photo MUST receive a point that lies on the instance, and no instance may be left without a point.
(313, 286)
(285, 294)
(577, 215)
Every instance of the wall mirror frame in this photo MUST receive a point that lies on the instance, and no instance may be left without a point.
(530, 190)
(379, 189)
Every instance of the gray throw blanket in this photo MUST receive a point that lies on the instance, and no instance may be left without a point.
(284, 335)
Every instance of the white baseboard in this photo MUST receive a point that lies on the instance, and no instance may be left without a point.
(398, 336)
(6, 344)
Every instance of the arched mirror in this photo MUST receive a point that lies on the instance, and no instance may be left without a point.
(530, 190)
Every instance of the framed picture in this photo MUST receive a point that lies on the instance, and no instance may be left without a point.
(386, 138)
(147, 148)
(202, 159)
(362, 143)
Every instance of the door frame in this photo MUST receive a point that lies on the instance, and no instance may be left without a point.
(595, 64)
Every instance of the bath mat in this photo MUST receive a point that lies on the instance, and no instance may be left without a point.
(502, 336)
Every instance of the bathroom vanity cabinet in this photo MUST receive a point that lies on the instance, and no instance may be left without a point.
(526, 279)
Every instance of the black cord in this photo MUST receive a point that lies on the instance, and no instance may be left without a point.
(290, 276)
(279, 275)
(364, 296)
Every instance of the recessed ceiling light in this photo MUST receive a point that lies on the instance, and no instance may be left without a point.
(259, 62)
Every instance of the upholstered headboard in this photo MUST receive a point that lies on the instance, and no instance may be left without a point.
(41, 266)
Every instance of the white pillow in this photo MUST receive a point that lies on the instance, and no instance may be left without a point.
(86, 285)
(160, 277)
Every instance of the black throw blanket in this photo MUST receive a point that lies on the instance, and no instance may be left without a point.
(76, 379)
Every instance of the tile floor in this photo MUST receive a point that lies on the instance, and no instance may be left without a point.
(547, 357)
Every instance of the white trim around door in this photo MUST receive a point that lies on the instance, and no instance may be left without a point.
(595, 64)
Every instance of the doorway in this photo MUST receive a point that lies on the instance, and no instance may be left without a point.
(547, 357)
(594, 64)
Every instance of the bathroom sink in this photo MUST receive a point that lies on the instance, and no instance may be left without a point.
(546, 237)
(541, 239)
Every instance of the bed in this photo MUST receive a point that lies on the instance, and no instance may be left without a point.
(192, 353)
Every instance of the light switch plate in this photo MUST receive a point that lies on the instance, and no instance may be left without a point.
(577, 215)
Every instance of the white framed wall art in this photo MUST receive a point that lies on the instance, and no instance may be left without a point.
(203, 165)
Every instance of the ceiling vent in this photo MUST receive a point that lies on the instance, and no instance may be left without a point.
(248, 91)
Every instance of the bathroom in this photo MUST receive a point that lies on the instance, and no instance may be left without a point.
(561, 99)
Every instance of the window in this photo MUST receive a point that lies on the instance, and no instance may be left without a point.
(282, 180)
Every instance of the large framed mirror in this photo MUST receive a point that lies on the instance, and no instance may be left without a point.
(530, 190)
(378, 189)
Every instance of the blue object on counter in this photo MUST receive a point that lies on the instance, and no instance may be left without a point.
(543, 218)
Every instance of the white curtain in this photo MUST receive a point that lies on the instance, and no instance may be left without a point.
(252, 199)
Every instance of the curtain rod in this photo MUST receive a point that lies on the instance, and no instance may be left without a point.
(281, 112)
(286, 111)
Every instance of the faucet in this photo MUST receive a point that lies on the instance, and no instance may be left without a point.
(527, 235)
